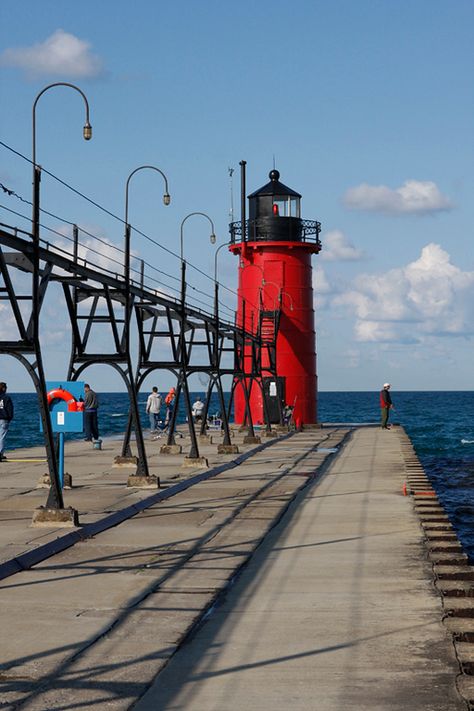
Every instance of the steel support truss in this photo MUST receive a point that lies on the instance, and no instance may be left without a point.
(98, 299)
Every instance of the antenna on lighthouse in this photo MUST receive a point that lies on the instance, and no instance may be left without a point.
(231, 211)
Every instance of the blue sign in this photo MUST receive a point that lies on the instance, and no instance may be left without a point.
(66, 405)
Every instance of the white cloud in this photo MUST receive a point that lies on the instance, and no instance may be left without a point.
(413, 197)
(60, 54)
(8, 329)
(320, 282)
(336, 246)
(428, 297)
(103, 254)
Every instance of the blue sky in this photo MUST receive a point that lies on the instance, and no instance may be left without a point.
(366, 107)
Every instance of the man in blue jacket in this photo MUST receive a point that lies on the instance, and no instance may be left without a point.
(6, 416)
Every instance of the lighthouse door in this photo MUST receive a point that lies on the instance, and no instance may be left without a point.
(273, 388)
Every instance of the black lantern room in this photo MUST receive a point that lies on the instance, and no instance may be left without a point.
(275, 212)
(274, 216)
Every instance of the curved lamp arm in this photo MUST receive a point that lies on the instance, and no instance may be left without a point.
(203, 214)
(226, 244)
(166, 196)
(86, 131)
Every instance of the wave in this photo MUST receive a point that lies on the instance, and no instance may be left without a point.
(467, 441)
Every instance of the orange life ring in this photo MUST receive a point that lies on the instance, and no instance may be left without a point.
(61, 394)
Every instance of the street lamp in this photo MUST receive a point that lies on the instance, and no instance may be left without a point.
(166, 195)
(166, 201)
(86, 131)
(212, 236)
(55, 498)
(221, 246)
(134, 416)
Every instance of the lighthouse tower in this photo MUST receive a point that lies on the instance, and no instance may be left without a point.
(274, 247)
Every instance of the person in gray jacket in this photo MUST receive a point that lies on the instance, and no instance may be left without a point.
(153, 407)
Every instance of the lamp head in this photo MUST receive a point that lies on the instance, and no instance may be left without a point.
(213, 238)
(87, 131)
(166, 198)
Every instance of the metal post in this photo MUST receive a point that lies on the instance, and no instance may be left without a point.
(75, 234)
(61, 459)
(55, 497)
(194, 452)
(225, 419)
(243, 198)
(215, 354)
(205, 412)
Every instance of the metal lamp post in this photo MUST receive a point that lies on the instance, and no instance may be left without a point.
(55, 497)
(134, 414)
(183, 383)
(215, 354)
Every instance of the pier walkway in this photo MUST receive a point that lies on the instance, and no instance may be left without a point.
(296, 578)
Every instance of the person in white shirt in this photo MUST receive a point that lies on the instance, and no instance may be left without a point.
(153, 407)
(198, 408)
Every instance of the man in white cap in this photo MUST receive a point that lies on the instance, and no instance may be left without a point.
(385, 405)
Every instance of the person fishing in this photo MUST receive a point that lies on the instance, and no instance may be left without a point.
(198, 409)
(385, 405)
(169, 403)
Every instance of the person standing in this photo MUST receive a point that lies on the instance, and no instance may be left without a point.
(91, 422)
(198, 409)
(6, 416)
(153, 407)
(385, 405)
(169, 402)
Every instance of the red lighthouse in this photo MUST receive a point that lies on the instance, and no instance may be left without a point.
(274, 247)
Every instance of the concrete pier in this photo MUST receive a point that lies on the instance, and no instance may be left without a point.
(313, 573)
